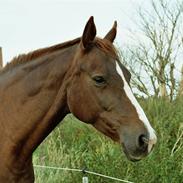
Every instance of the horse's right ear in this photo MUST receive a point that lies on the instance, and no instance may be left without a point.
(89, 33)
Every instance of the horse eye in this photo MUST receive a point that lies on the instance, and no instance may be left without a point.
(99, 80)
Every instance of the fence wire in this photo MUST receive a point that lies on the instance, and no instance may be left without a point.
(82, 171)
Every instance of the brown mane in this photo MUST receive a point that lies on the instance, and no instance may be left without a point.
(106, 46)
(102, 44)
(38, 53)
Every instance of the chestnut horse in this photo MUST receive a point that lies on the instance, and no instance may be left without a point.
(83, 77)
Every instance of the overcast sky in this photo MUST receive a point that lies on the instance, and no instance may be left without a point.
(28, 25)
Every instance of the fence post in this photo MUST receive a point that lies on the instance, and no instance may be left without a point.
(1, 58)
(85, 180)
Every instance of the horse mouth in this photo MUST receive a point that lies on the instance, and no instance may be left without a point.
(130, 156)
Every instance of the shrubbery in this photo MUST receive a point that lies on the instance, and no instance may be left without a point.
(76, 145)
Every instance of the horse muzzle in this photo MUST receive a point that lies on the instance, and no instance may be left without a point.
(138, 149)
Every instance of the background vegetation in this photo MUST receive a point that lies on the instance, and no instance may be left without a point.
(76, 145)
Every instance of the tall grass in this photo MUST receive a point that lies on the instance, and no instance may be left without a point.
(77, 145)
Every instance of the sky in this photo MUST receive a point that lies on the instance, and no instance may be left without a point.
(29, 25)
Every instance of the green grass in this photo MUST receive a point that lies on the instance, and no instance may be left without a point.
(76, 145)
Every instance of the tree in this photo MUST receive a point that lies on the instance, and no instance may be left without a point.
(152, 60)
(180, 89)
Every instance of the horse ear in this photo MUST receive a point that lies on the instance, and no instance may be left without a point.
(89, 33)
(112, 33)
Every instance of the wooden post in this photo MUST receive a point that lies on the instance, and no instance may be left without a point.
(1, 58)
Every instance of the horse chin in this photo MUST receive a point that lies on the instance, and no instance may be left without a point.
(129, 155)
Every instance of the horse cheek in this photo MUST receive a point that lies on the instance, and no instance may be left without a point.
(79, 104)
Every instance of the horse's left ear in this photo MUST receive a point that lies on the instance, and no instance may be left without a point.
(89, 33)
(112, 33)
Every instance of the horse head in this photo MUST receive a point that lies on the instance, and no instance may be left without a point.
(99, 93)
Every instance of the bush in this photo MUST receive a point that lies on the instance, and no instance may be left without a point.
(74, 144)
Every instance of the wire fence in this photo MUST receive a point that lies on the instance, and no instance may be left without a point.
(84, 171)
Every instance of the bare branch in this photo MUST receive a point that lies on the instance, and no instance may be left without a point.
(152, 62)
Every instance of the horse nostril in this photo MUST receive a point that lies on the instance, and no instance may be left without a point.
(143, 142)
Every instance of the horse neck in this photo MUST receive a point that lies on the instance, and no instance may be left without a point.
(33, 101)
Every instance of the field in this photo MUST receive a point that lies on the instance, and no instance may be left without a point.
(76, 145)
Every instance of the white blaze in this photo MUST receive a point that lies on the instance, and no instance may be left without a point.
(140, 112)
